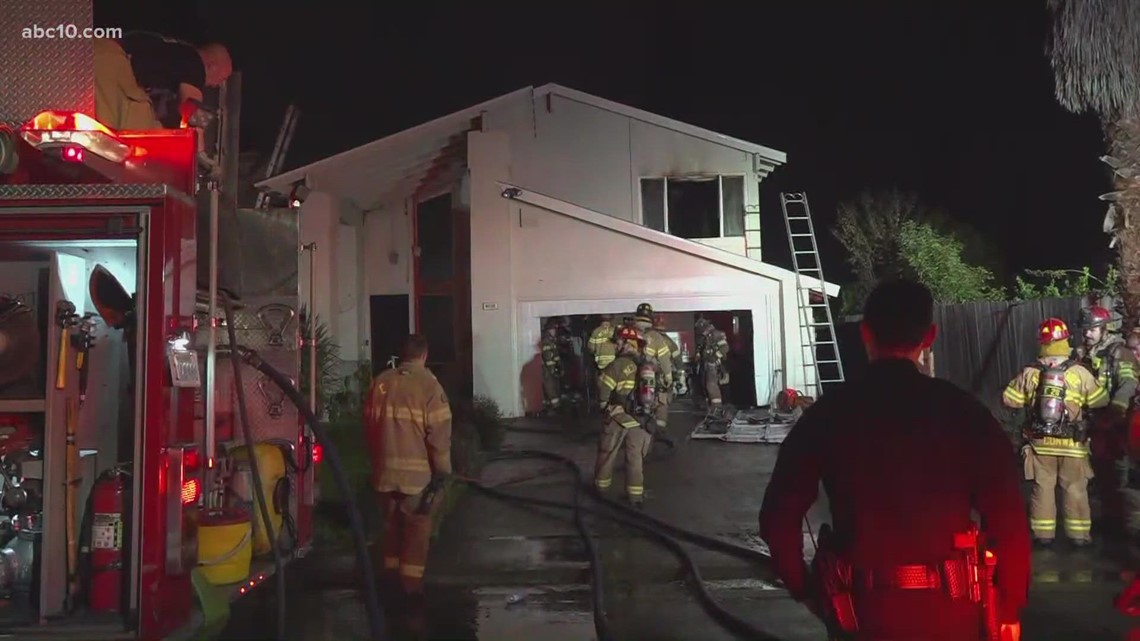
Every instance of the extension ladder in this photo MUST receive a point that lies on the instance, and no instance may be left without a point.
(280, 148)
(821, 350)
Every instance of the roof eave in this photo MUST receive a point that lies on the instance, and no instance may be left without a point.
(766, 155)
(285, 180)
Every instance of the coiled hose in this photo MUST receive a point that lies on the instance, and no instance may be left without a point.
(664, 533)
(356, 522)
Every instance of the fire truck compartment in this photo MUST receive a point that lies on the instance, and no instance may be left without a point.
(71, 383)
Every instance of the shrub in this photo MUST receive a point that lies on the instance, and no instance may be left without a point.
(488, 420)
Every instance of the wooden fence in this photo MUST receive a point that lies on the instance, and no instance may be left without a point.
(980, 345)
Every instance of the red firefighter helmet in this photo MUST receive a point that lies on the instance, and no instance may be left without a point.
(786, 399)
(1095, 316)
(630, 334)
(1052, 330)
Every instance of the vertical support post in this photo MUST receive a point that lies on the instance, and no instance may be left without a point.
(212, 348)
(230, 140)
(312, 337)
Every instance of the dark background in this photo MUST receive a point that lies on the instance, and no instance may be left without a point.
(953, 100)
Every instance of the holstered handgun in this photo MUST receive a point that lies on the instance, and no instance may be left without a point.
(980, 566)
(833, 579)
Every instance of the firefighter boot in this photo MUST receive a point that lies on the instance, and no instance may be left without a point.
(637, 502)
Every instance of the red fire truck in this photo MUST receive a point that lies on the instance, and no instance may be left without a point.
(129, 480)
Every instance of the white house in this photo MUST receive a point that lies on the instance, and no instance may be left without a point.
(546, 201)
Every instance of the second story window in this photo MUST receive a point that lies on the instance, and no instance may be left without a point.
(694, 207)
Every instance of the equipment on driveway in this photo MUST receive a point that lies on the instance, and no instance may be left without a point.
(758, 425)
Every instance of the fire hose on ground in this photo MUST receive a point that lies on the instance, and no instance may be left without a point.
(664, 533)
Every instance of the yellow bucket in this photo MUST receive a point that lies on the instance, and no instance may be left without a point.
(225, 547)
(271, 466)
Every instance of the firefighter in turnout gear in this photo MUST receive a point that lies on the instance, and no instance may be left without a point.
(629, 415)
(408, 428)
(552, 369)
(1109, 359)
(712, 349)
(1056, 390)
(674, 348)
(602, 348)
(657, 352)
(665, 399)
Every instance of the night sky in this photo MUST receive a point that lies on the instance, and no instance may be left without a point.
(952, 100)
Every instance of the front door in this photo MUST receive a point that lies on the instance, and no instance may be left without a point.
(443, 290)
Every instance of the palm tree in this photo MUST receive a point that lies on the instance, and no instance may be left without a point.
(1095, 54)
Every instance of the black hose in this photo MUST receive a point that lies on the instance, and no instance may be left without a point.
(621, 514)
(708, 542)
(258, 490)
(647, 525)
(601, 621)
(356, 522)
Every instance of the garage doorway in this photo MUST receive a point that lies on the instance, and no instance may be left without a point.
(737, 326)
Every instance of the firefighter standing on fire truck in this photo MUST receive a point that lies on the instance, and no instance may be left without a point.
(1056, 390)
(602, 348)
(1114, 365)
(626, 424)
(712, 349)
(904, 459)
(409, 437)
(657, 352)
(552, 370)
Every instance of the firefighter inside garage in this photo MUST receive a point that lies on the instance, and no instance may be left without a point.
(77, 354)
(576, 349)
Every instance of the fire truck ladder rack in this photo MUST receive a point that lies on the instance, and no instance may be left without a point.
(826, 363)
(280, 148)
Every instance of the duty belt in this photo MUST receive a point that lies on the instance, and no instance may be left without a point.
(949, 576)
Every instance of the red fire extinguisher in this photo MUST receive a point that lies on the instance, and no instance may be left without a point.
(108, 507)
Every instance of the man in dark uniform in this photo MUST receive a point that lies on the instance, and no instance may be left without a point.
(904, 459)
(173, 72)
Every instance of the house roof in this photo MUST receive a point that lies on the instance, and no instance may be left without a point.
(367, 175)
(663, 239)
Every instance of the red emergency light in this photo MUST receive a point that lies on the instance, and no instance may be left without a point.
(318, 453)
(191, 460)
(74, 132)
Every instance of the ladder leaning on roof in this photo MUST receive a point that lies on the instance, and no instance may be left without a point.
(820, 352)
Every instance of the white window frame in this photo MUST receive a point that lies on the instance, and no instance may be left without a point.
(665, 199)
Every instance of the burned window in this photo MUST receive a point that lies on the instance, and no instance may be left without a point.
(701, 207)
(732, 205)
(694, 208)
